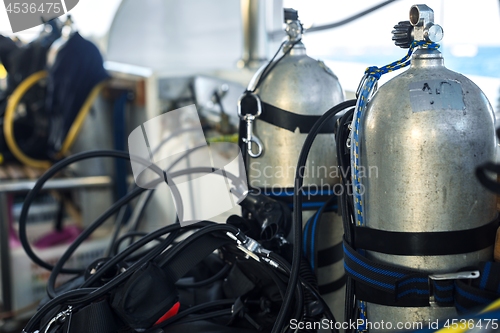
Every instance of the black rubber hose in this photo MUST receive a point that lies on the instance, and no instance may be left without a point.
(209, 315)
(131, 234)
(117, 280)
(120, 278)
(38, 186)
(350, 19)
(113, 209)
(131, 249)
(137, 245)
(279, 33)
(92, 294)
(41, 312)
(297, 212)
(216, 277)
(119, 222)
(58, 268)
(286, 267)
(163, 259)
(271, 64)
(306, 274)
(191, 310)
(108, 287)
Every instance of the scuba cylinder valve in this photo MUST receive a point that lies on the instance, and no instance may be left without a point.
(422, 212)
(286, 97)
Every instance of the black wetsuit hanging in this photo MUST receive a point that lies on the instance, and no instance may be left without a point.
(30, 127)
(78, 68)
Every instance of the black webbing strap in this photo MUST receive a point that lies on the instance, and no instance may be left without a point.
(385, 284)
(426, 243)
(191, 256)
(481, 291)
(291, 121)
(444, 291)
(330, 255)
(332, 286)
(237, 283)
(390, 285)
(327, 257)
(96, 318)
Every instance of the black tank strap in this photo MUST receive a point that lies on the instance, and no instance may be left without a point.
(291, 121)
(387, 284)
(426, 243)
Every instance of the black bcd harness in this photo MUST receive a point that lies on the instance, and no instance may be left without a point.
(151, 299)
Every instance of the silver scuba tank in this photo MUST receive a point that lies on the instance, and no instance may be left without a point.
(299, 89)
(425, 131)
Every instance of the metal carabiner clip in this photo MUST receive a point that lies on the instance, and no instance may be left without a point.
(60, 317)
(250, 142)
(249, 118)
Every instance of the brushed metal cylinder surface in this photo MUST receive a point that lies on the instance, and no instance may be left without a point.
(305, 86)
(414, 318)
(425, 132)
(331, 234)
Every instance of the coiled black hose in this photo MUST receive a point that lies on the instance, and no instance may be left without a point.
(307, 275)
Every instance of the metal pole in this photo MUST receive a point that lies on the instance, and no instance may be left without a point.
(5, 254)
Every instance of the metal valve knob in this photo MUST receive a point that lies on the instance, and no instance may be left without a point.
(402, 35)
